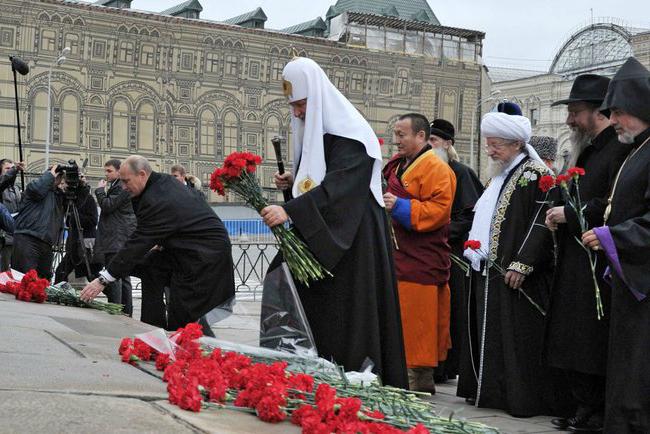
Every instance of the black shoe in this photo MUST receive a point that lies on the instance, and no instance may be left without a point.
(560, 422)
(594, 424)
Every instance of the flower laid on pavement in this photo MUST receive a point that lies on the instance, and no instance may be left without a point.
(203, 377)
(30, 287)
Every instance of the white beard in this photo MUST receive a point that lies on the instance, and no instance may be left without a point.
(626, 138)
(442, 154)
(496, 167)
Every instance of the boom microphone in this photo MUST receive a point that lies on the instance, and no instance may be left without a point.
(19, 65)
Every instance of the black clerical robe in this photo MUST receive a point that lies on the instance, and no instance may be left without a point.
(576, 339)
(196, 246)
(354, 315)
(502, 365)
(468, 189)
(626, 240)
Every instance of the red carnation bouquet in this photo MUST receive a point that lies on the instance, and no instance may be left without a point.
(238, 174)
(575, 202)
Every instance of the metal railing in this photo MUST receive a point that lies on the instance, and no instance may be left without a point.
(251, 261)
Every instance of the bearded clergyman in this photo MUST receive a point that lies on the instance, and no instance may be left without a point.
(576, 339)
(625, 238)
(502, 367)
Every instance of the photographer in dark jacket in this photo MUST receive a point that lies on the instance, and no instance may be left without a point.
(39, 223)
(116, 223)
(11, 195)
(73, 259)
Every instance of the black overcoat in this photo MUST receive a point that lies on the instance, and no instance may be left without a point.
(576, 339)
(628, 383)
(194, 239)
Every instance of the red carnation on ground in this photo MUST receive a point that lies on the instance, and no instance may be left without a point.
(546, 183)
(472, 244)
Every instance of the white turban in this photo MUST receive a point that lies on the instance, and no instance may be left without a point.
(509, 127)
(327, 112)
(505, 126)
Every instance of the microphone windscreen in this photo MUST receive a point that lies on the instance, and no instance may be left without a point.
(19, 65)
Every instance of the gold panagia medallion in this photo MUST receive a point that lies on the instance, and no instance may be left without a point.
(287, 88)
(306, 184)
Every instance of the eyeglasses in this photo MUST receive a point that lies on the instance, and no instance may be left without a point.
(499, 145)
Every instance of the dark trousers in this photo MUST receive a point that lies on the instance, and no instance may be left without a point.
(588, 391)
(161, 305)
(30, 253)
(5, 256)
(153, 307)
(120, 291)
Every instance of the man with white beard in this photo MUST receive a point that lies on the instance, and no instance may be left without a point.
(625, 238)
(502, 367)
(577, 340)
(468, 190)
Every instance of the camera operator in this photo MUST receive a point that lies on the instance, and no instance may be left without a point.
(11, 195)
(73, 259)
(41, 217)
(116, 223)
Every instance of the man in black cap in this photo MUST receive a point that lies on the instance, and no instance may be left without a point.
(625, 239)
(468, 190)
(576, 338)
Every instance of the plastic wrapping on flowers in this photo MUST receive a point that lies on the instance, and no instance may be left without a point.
(277, 386)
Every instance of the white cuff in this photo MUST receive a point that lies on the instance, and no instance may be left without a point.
(106, 275)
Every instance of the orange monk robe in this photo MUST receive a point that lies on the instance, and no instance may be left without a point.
(421, 216)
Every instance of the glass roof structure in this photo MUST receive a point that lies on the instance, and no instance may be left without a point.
(596, 46)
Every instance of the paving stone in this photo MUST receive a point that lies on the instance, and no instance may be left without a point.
(77, 374)
(38, 412)
(220, 421)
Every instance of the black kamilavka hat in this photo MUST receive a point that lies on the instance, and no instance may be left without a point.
(630, 90)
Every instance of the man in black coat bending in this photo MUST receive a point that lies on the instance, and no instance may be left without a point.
(187, 229)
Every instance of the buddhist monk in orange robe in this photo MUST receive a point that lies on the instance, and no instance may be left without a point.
(419, 195)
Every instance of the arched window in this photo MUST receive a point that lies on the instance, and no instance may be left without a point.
(146, 127)
(120, 133)
(448, 106)
(207, 132)
(70, 121)
(72, 41)
(230, 133)
(147, 58)
(272, 129)
(126, 52)
(403, 82)
(39, 117)
(48, 40)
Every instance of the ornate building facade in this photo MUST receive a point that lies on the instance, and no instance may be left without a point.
(189, 91)
(598, 48)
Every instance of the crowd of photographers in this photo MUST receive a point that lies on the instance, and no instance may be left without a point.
(58, 212)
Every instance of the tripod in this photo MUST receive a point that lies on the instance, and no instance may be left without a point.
(60, 252)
